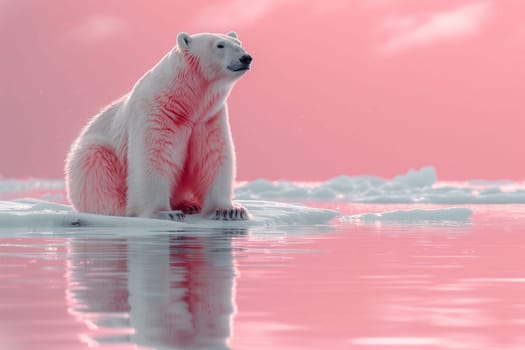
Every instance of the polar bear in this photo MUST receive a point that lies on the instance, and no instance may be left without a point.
(165, 148)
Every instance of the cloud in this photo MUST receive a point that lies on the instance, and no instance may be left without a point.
(412, 31)
(98, 28)
(235, 13)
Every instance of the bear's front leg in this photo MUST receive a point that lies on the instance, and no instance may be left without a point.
(215, 169)
(156, 156)
(218, 204)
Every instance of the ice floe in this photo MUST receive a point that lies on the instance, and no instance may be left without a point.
(441, 215)
(416, 187)
(31, 213)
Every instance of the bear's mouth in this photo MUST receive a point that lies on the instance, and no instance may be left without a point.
(238, 69)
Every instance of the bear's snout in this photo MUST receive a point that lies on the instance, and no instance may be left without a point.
(242, 64)
(246, 59)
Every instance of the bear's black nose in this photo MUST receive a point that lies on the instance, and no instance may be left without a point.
(246, 59)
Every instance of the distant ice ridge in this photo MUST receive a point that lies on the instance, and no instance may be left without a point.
(416, 186)
(29, 185)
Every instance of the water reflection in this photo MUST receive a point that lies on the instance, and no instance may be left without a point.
(167, 291)
(358, 287)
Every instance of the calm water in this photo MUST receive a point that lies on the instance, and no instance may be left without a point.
(344, 286)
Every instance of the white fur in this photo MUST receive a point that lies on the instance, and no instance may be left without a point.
(123, 127)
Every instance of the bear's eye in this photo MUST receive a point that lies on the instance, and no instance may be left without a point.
(220, 46)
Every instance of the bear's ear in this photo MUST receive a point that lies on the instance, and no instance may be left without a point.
(232, 34)
(183, 40)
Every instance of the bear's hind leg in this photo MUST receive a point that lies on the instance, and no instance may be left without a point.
(97, 181)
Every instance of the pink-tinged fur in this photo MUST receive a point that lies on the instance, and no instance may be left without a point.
(201, 165)
(178, 116)
(104, 185)
(166, 145)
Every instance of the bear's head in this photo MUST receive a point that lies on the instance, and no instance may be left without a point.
(217, 56)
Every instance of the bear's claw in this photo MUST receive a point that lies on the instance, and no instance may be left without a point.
(231, 214)
(174, 215)
(188, 207)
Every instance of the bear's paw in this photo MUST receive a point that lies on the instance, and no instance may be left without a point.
(230, 214)
(173, 215)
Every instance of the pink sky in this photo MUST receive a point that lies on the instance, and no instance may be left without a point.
(337, 87)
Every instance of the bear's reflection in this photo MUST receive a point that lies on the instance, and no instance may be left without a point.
(160, 291)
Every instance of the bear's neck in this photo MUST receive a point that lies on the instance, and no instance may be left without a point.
(188, 96)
